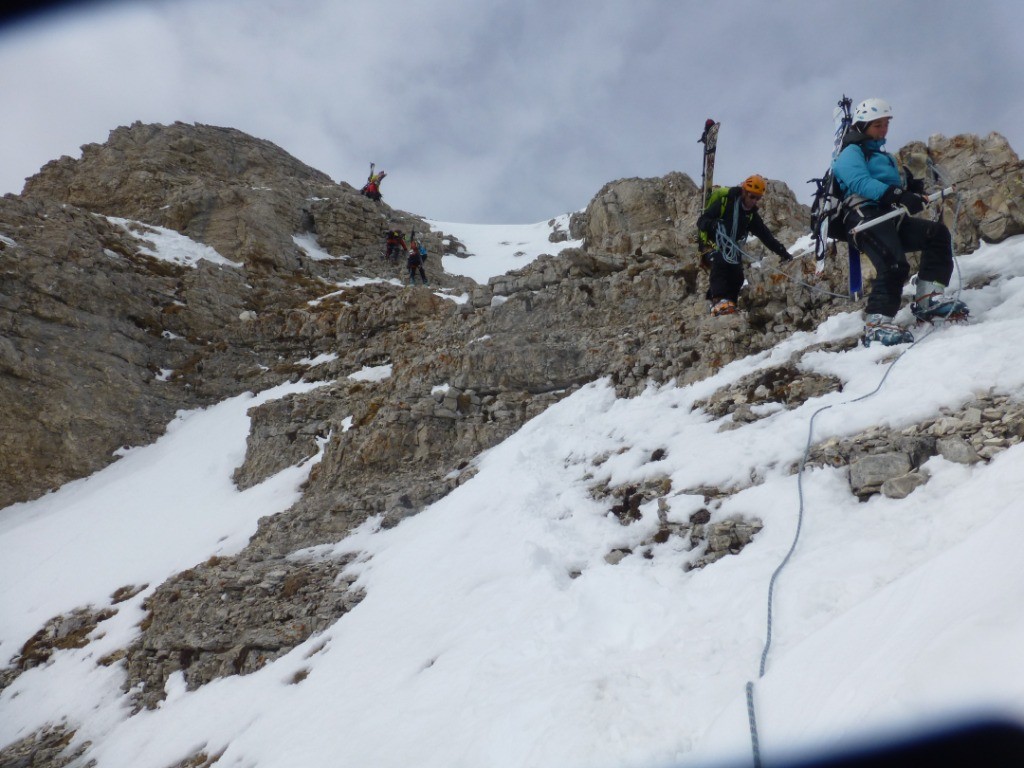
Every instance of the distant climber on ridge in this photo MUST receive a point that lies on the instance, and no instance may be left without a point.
(394, 246)
(371, 188)
(731, 214)
(873, 185)
(415, 261)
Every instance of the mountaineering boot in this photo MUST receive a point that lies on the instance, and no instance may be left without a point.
(931, 304)
(882, 328)
(723, 307)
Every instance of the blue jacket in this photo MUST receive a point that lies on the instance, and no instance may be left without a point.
(868, 177)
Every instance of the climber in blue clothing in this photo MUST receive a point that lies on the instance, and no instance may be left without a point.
(872, 184)
(417, 258)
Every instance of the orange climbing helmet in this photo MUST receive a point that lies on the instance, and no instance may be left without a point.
(755, 185)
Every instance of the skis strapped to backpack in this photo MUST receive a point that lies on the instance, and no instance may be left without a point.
(827, 207)
(707, 175)
(709, 138)
(369, 178)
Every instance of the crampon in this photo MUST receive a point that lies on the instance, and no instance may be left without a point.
(886, 333)
(938, 308)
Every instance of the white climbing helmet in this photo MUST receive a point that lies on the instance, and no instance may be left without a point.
(871, 109)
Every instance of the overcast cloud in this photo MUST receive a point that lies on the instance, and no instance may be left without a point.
(511, 111)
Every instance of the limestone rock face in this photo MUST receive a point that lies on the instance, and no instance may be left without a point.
(642, 213)
(81, 345)
(989, 180)
(659, 216)
(244, 197)
(101, 343)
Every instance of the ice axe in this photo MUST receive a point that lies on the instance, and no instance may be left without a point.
(899, 211)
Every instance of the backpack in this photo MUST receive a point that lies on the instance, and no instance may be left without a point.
(827, 214)
(720, 196)
(827, 210)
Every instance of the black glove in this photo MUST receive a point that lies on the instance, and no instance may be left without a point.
(897, 196)
(912, 201)
(785, 256)
(914, 185)
(890, 196)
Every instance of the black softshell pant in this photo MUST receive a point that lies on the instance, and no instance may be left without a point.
(887, 244)
(414, 267)
(725, 279)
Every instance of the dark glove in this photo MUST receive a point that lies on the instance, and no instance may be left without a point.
(914, 185)
(890, 196)
(897, 196)
(785, 256)
(912, 201)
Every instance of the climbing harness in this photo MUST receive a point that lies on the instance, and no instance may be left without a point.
(900, 211)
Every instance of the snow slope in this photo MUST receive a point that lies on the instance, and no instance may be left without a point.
(494, 633)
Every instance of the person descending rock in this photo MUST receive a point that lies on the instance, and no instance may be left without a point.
(371, 188)
(394, 246)
(734, 211)
(872, 185)
(415, 261)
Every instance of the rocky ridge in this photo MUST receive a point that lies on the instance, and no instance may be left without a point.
(102, 344)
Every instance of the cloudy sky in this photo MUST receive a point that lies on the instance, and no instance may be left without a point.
(510, 111)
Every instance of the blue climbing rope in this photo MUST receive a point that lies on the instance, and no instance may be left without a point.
(751, 709)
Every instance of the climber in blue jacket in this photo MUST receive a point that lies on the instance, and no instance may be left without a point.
(873, 184)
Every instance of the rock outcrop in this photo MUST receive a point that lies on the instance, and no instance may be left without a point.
(101, 343)
(989, 178)
(658, 216)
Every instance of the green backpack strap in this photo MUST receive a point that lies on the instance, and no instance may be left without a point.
(719, 196)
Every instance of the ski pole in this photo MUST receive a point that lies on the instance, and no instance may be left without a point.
(898, 211)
